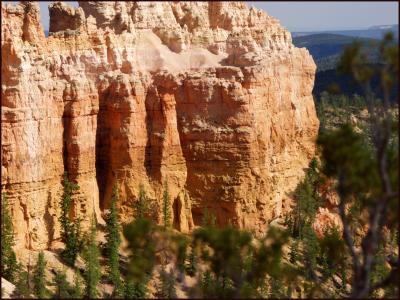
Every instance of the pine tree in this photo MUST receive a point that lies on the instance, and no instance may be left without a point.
(63, 288)
(142, 203)
(192, 262)
(39, 277)
(166, 207)
(325, 265)
(135, 290)
(70, 231)
(167, 285)
(307, 200)
(8, 259)
(276, 286)
(343, 277)
(379, 270)
(207, 285)
(224, 286)
(92, 265)
(77, 289)
(311, 250)
(294, 252)
(113, 241)
(22, 287)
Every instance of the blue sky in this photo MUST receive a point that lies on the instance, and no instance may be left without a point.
(303, 15)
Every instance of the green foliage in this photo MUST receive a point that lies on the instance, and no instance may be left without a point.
(22, 287)
(166, 207)
(276, 288)
(227, 245)
(294, 252)
(113, 241)
(166, 289)
(225, 287)
(181, 244)
(332, 247)
(191, 267)
(307, 201)
(335, 110)
(379, 269)
(345, 154)
(91, 255)
(39, 278)
(70, 231)
(364, 165)
(63, 288)
(311, 250)
(223, 251)
(76, 292)
(8, 259)
(140, 237)
(135, 290)
(207, 285)
(141, 206)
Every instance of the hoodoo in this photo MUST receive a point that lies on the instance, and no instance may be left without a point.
(210, 97)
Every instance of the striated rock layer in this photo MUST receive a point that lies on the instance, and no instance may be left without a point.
(210, 97)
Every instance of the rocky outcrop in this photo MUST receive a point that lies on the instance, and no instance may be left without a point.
(7, 289)
(210, 97)
(326, 221)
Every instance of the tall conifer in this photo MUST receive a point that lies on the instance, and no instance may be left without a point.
(113, 241)
(8, 259)
(92, 265)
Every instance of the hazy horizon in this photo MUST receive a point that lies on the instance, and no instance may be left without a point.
(309, 16)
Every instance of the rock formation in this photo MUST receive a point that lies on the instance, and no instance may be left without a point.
(210, 97)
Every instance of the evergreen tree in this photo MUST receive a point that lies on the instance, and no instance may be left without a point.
(141, 242)
(191, 268)
(167, 285)
(224, 286)
(207, 285)
(63, 288)
(70, 231)
(276, 288)
(142, 203)
(22, 287)
(8, 259)
(343, 277)
(166, 207)
(39, 277)
(92, 265)
(307, 200)
(135, 290)
(379, 270)
(311, 250)
(113, 241)
(76, 292)
(294, 252)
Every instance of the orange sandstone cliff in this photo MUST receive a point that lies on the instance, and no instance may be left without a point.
(210, 97)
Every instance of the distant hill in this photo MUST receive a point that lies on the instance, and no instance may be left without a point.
(326, 44)
(374, 32)
(326, 48)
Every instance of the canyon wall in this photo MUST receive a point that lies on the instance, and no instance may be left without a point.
(211, 98)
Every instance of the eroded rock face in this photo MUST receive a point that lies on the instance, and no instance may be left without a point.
(211, 97)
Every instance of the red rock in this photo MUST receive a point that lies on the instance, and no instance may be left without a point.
(211, 97)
